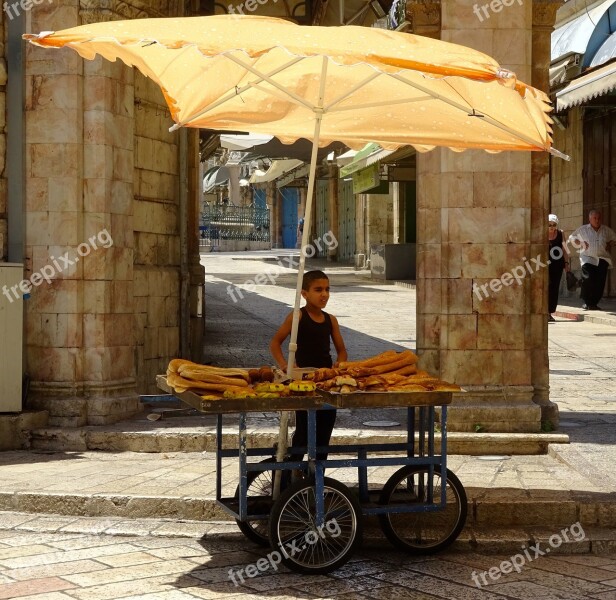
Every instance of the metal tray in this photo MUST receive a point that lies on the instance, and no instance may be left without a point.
(230, 405)
(386, 399)
(352, 400)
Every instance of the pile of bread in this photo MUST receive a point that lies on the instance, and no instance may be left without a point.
(215, 383)
(390, 371)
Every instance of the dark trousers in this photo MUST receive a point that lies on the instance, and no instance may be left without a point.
(325, 425)
(593, 282)
(556, 272)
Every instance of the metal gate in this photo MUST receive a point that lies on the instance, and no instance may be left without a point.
(322, 210)
(346, 221)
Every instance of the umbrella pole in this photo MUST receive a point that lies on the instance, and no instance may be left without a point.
(284, 415)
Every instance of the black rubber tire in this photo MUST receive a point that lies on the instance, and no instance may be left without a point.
(260, 485)
(423, 532)
(292, 519)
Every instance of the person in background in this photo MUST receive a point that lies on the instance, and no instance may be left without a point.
(595, 241)
(559, 261)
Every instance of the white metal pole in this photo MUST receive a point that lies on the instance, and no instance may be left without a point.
(284, 416)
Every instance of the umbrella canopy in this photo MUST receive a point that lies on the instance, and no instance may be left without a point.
(349, 84)
(264, 75)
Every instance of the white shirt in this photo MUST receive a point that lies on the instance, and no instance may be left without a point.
(597, 242)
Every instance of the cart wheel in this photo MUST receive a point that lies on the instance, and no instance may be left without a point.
(423, 532)
(259, 492)
(304, 547)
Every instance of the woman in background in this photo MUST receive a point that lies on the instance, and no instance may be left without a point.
(559, 261)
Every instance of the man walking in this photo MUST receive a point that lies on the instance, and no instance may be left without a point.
(595, 241)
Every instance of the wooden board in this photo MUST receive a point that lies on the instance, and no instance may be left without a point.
(353, 400)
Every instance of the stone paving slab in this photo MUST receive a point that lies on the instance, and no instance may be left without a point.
(211, 562)
(507, 491)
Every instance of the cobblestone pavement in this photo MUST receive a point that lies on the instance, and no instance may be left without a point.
(166, 561)
(62, 557)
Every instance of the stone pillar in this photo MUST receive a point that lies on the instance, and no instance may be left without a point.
(478, 218)
(543, 17)
(3, 180)
(80, 326)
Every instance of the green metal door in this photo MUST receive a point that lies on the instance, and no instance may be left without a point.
(322, 216)
(346, 221)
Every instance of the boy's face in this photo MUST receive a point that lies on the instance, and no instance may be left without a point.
(318, 294)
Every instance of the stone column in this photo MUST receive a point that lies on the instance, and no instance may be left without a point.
(80, 325)
(543, 18)
(3, 180)
(477, 219)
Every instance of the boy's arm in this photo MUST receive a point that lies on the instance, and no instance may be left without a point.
(338, 341)
(279, 337)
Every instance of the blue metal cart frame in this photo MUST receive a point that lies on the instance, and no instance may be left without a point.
(420, 457)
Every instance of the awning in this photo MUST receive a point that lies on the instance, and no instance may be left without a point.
(564, 69)
(291, 176)
(276, 170)
(575, 35)
(265, 145)
(606, 52)
(594, 84)
(243, 142)
(368, 155)
(215, 176)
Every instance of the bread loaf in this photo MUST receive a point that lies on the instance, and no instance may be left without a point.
(181, 384)
(198, 374)
(379, 359)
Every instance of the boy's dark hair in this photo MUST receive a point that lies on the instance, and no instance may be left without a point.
(311, 276)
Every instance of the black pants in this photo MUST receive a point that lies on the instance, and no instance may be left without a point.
(325, 425)
(556, 272)
(593, 282)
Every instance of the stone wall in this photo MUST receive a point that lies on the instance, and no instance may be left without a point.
(374, 221)
(3, 182)
(157, 245)
(567, 183)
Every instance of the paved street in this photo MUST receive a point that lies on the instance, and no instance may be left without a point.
(120, 554)
(159, 561)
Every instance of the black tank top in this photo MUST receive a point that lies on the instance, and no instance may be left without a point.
(313, 341)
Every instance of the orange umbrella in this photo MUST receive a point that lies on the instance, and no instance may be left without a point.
(349, 84)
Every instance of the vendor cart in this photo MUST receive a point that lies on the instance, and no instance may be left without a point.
(315, 524)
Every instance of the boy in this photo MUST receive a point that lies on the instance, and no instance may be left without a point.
(315, 329)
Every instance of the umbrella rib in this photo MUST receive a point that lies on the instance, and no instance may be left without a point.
(461, 107)
(382, 103)
(352, 90)
(237, 91)
(486, 116)
(265, 77)
(276, 92)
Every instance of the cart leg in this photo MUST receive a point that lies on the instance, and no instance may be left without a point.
(243, 512)
(218, 457)
(362, 475)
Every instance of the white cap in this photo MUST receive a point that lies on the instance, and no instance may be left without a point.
(553, 219)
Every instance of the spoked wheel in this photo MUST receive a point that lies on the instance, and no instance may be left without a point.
(305, 547)
(260, 486)
(424, 532)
